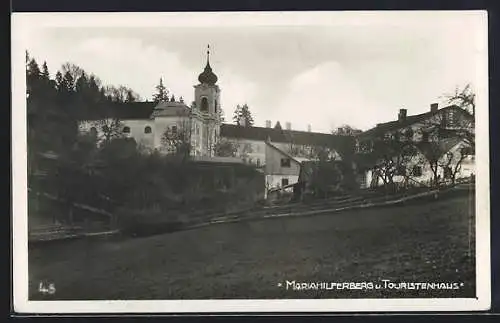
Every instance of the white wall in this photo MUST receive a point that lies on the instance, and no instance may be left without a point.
(137, 127)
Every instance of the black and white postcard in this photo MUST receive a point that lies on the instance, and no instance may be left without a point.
(250, 162)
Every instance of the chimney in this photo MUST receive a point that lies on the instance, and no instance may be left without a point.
(402, 115)
(434, 107)
(288, 126)
(340, 131)
(308, 128)
(268, 123)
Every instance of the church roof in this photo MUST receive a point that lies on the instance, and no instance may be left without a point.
(285, 136)
(125, 110)
(171, 109)
(140, 110)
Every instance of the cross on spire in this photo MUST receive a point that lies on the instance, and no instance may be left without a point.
(208, 53)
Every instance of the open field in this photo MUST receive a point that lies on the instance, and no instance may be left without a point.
(411, 243)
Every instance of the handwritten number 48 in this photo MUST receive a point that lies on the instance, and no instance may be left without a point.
(43, 288)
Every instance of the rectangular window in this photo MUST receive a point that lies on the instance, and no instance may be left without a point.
(284, 181)
(451, 118)
(417, 171)
(285, 162)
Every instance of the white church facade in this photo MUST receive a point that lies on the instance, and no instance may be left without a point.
(148, 122)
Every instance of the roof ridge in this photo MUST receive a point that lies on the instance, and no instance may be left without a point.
(282, 151)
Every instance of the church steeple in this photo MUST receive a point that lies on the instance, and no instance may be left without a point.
(207, 76)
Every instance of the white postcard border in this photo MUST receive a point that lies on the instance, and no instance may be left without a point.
(21, 24)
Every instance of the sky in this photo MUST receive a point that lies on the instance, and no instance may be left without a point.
(345, 68)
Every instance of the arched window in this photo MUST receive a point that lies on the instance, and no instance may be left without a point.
(215, 106)
(126, 129)
(147, 129)
(204, 104)
(93, 132)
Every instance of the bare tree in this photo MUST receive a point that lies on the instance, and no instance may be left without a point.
(393, 158)
(451, 163)
(73, 70)
(108, 129)
(176, 139)
(464, 98)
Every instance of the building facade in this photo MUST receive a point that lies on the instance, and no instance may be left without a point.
(414, 150)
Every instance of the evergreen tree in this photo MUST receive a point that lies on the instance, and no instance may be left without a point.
(45, 71)
(161, 94)
(68, 82)
(278, 126)
(242, 116)
(236, 115)
(33, 69)
(172, 99)
(59, 82)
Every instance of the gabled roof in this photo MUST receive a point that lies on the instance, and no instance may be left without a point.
(433, 150)
(383, 128)
(285, 136)
(284, 153)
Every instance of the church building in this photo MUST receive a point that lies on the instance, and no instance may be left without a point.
(159, 127)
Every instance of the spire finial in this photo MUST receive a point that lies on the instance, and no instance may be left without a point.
(208, 53)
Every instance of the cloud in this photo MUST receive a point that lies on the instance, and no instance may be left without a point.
(324, 97)
(359, 73)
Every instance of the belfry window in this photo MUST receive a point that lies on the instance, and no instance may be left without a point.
(204, 104)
